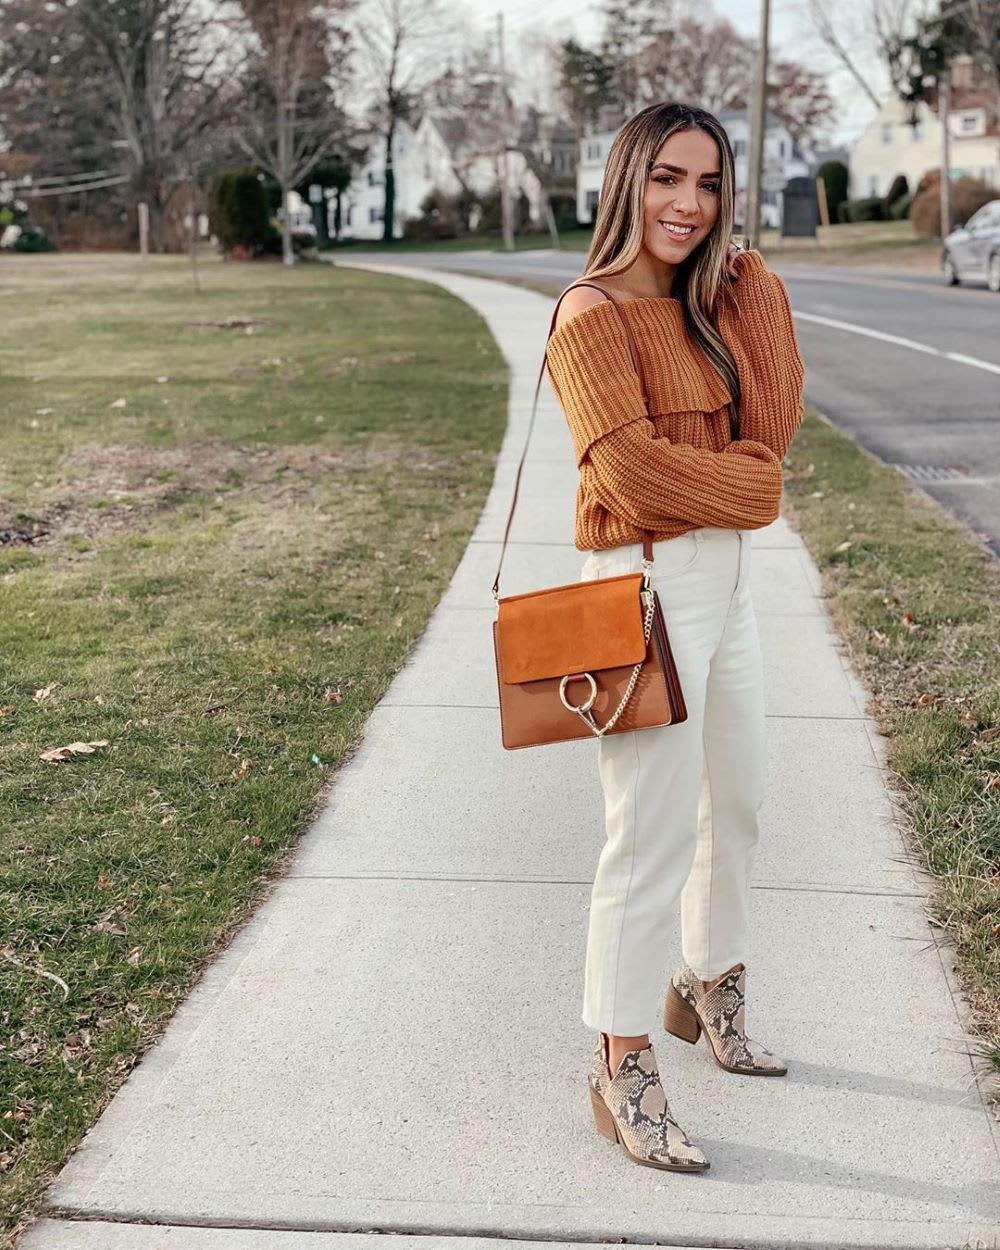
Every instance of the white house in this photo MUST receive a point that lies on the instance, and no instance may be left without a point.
(889, 145)
(442, 151)
(782, 160)
(363, 202)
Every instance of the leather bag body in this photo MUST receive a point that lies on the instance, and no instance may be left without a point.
(588, 658)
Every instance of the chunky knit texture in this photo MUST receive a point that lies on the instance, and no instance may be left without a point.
(678, 469)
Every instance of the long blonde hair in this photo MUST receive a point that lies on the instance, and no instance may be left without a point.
(618, 230)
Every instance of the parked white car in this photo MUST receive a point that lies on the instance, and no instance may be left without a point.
(973, 250)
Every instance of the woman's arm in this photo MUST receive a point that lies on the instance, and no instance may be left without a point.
(633, 473)
(651, 481)
(760, 332)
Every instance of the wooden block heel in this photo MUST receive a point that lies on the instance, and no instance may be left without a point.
(603, 1118)
(680, 1018)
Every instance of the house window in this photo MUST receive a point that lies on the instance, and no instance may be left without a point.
(373, 179)
(917, 132)
(886, 133)
(348, 214)
(781, 147)
(739, 147)
(969, 123)
(873, 184)
(375, 214)
(592, 198)
(593, 151)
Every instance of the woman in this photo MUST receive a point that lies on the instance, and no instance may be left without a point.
(701, 468)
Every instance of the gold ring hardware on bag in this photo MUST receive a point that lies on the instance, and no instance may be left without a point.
(609, 631)
(583, 707)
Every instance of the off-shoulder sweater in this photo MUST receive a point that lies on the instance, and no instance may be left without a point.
(679, 468)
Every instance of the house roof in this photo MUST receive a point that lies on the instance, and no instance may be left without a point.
(772, 120)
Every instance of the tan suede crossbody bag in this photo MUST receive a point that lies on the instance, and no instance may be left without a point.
(589, 658)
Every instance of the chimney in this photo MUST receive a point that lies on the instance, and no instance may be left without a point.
(963, 73)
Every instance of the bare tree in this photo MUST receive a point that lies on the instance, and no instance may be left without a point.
(703, 62)
(399, 40)
(290, 118)
(829, 25)
(168, 64)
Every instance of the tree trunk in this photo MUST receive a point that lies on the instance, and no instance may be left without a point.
(284, 160)
(287, 251)
(389, 203)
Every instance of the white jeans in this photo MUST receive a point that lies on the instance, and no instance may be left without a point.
(681, 801)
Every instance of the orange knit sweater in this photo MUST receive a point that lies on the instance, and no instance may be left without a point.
(680, 469)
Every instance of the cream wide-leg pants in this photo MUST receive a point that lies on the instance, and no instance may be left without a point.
(681, 801)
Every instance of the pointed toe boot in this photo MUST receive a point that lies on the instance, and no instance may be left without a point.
(719, 1013)
(630, 1108)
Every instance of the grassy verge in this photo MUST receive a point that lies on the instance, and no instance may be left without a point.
(916, 599)
(224, 520)
(569, 240)
(903, 252)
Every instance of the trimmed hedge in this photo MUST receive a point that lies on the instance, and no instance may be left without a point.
(239, 215)
(870, 208)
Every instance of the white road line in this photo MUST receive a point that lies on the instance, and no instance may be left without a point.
(912, 344)
(972, 360)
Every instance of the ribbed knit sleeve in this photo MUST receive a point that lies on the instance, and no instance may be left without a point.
(634, 474)
(651, 481)
(591, 370)
(759, 330)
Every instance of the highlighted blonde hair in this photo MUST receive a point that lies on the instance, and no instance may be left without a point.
(699, 281)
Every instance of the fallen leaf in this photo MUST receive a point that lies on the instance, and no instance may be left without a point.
(103, 881)
(925, 698)
(120, 403)
(332, 696)
(243, 769)
(45, 691)
(109, 926)
(4, 711)
(844, 546)
(57, 755)
(908, 621)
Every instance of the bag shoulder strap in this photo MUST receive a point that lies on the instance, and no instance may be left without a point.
(647, 537)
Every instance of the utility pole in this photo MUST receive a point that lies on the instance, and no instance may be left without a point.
(944, 105)
(505, 204)
(758, 118)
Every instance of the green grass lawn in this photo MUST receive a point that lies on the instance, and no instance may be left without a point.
(224, 521)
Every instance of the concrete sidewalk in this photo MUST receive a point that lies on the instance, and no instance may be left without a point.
(393, 1042)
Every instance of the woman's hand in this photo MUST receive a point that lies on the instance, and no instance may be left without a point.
(735, 249)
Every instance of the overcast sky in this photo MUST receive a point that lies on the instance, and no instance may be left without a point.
(790, 36)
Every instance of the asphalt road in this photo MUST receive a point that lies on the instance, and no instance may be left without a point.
(874, 343)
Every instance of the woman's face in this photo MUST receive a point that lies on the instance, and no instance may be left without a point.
(682, 188)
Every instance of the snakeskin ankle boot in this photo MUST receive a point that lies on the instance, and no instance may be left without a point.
(719, 1013)
(631, 1108)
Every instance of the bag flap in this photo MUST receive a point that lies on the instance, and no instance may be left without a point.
(577, 628)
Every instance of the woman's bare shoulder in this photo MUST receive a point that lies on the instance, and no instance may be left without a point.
(575, 300)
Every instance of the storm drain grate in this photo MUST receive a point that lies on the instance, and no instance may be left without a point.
(931, 472)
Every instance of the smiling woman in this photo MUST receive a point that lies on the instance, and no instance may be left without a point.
(677, 368)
